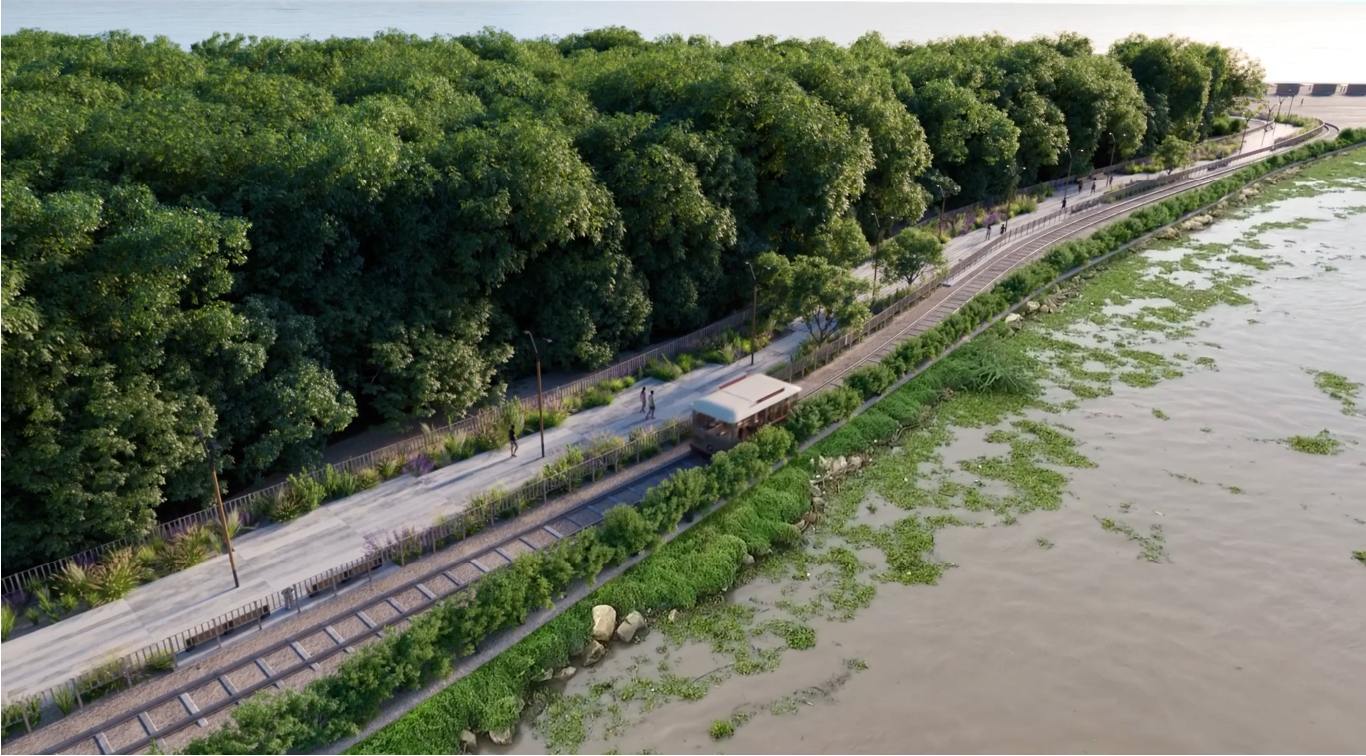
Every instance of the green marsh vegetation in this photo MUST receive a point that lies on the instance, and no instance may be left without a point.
(1337, 387)
(1319, 443)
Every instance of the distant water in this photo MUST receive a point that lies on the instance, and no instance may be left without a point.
(1295, 42)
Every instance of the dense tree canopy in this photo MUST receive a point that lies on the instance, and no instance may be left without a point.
(273, 240)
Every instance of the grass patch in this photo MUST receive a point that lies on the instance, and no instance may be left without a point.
(1319, 443)
(1159, 414)
(1337, 387)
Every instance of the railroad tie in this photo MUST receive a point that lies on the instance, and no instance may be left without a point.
(397, 606)
(425, 591)
(268, 672)
(529, 544)
(478, 566)
(146, 721)
(303, 654)
(192, 708)
(369, 623)
(503, 554)
(553, 532)
(227, 685)
(103, 743)
(455, 580)
(337, 639)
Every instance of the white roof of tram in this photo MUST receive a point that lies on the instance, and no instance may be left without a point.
(744, 397)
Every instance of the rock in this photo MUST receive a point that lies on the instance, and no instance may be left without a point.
(604, 622)
(469, 740)
(593, 653)
(544, 676)
(501, 737)
(673, 614)
(566, 673)
(634, 623)
(1031, 306)
(855, 462)
(1014, 317)
(817, 501)
(1168, 233)
(747, 561)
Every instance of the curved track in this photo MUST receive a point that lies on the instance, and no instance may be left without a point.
(1013, 255)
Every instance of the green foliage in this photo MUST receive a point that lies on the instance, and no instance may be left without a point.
(870, 380)
(115, 577)
(663, 368)
(912, 255)
(1173, 153)
(722, 729)
(7, 619)
(513, 415)
(14, 713)
(822, 410)
(823, 295)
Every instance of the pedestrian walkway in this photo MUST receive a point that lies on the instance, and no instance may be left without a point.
(282, 555)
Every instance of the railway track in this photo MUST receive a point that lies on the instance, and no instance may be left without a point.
(142, 724)
(1012, 256)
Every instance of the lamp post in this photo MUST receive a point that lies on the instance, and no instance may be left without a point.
(754, 312)
(540, 407)
(210, 447)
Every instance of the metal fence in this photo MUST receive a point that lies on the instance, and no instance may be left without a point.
(400, 548)
(14, 585)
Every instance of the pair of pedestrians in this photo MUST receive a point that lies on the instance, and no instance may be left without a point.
(650, 413)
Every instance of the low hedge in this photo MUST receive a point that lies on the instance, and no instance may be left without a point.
(699, 564)
(704, 561)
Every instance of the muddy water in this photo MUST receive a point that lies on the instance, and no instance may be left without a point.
(1244, 629)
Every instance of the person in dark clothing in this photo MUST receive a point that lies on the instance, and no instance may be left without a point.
(512, 439)
(651, 414)
(1003, 228)
(1064, 203)
(642, 399)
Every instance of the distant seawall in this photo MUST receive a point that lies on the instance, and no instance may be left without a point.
(1316, 90)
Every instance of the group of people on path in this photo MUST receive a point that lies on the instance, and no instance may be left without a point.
(647, 405)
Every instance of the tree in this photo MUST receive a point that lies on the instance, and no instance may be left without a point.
(1173, 153)
(823, 295)
(912, 253)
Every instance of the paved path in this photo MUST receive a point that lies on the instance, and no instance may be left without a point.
(278, 556)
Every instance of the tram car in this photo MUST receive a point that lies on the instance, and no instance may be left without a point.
(738, 409)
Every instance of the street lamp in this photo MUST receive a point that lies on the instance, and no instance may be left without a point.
(211, 446)
(754, 311)
(540, 407)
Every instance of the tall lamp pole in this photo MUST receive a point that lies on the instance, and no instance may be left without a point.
(754, 314)
(540, 407)
(210, 447)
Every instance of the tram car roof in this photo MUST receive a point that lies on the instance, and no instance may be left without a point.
(744, 397)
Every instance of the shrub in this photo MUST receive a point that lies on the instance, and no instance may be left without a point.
(367, 478)
(337, 484)
(663, 369)
(13, 715)
(625, 528)
(721, 729)
(309, 492)
(7, 619)
(115, 577)
(513, 415)
(597, 396)
(687, 362)
(871, 380)
(72, 580)
(418, 465)
(65, 698)
(1021, 206)
(490, 437)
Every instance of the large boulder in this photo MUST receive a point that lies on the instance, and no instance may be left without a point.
(1013, 317)
(468, 740)
(593, 653)
(634, 623)
(604, 622)
(565, 673)
(501, 737)
(1031, 306)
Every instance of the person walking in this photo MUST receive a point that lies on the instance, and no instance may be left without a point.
(651, 414)
(989, 225)
(1003, 228)
(1093, 186)
(642, 399)
(1064, 203)
(512, 439)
